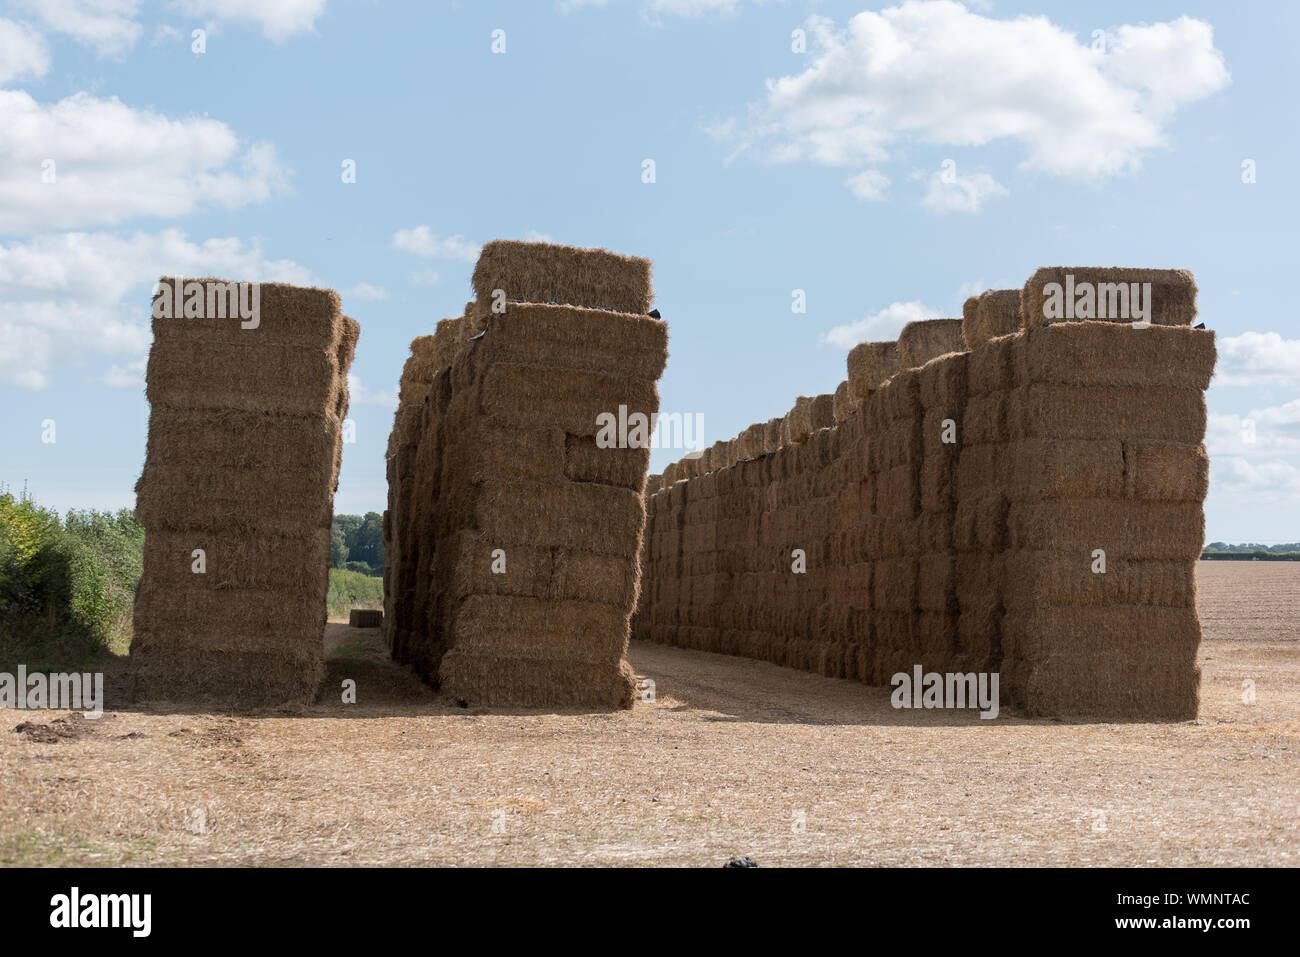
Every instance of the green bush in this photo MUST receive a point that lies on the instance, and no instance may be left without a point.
(66, 586)
(350, 590)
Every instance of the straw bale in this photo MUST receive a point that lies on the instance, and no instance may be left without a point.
(365, 618)
(248, 374)
(1105, 355)
(524, 395)
(1123, 529)
(548, 273)
(821, 411)
(287, 315)
(843, 404)
(1173, 292)
(1167, 471)
(993, 313)
(1066, 578)
(870, 364)
(589, 340)
(924, 339)
(772, 435)
(1088, 412)
(584, 461)
(603, 519)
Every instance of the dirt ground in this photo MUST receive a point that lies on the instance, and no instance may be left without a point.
(734, 757)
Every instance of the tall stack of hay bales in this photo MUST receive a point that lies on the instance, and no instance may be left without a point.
(527, 530)
(245, 442)
(970, 555)
(1105, 519)
(430, 355)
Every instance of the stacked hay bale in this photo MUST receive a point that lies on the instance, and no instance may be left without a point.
(986, 458)
(943, 403)
(531, 529)
(925, 339)
(430, 355)
(975, 555)
(893, 420)
(1107, 423)
(993, 313)
(245, 442)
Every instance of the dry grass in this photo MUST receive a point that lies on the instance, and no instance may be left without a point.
(716, 767)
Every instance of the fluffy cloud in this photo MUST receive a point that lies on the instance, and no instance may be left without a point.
(112, 162)
(868, 185)
(421, 241)
(279, 19)
(23, 54)
(960, 192)
(108, 26)
(75, 295)
(1275, 482)
(885, 324)
(365, 292)
(361, 394)
(1258, 358)
(935, 73)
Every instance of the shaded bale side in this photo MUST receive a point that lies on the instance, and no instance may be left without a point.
(1106, 355)
(589, 340)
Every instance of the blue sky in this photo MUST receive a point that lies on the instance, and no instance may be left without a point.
(775, 170)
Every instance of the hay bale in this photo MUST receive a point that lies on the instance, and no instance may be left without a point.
(993, 313)
(844, 403)
(926, 339)
(799, 419)
(563, 275)
(241, 462)
(365, 618)
(870, 364)
(772, 434)
(1172, 294)
(821, 411)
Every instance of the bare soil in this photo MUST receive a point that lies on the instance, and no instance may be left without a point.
(733, 758)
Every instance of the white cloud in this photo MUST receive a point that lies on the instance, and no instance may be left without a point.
(1274, 482)
(885, 324)
(935, 73)
(361, 394)
(960, 193)
(108, 26)
(533, 236)
(1258, 358)
(365, 292)
(113, 162)
(691, 9)
(1272, 430)
(421, 241)
(23, 54)
(73, 295)
(868, 185)
(279, 19)
(425, 277)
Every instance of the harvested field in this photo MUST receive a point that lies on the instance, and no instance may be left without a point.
(717, 766)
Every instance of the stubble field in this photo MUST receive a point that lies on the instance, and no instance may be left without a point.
(734, 757)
